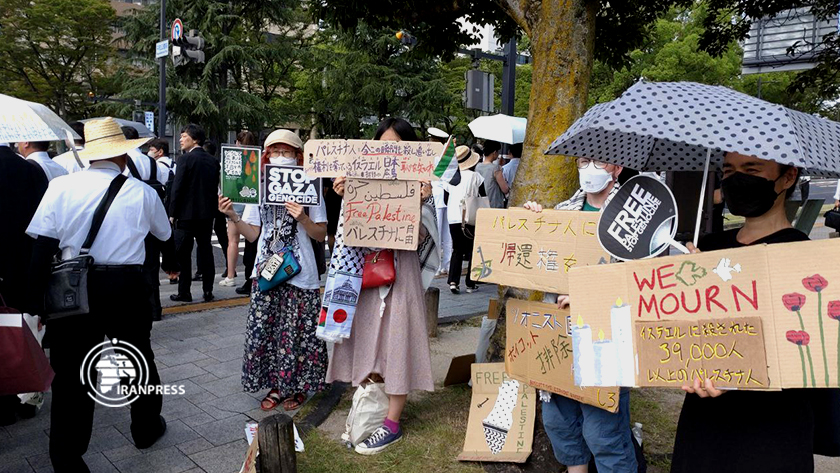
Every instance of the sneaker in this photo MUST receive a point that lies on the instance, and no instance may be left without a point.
(379, 440)
(470, 290)
(454, 288)
(227, 282)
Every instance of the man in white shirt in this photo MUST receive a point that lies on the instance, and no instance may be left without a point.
(68, 160)
(509, 169)
(117, 291)
(142, 162)
(37, 151)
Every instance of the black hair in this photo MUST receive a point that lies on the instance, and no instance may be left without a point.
(401, 127)
(516, 150)
(210, 147)
(161, 145)
(783, 169)
(79, 128)
(491, 147)
(246, 138)
(130, 132)
(195, 132)
(40, 145)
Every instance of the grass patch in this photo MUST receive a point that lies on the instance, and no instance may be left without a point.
(434, 425)
(474, 321)
(658, 411)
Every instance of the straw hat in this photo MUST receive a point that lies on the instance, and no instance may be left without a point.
(105, 140)
(467, 158)
(283, 136)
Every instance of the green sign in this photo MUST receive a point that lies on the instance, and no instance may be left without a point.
(241, 174)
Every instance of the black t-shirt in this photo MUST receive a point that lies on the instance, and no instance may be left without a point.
(746, 431)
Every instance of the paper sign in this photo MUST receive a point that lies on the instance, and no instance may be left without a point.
(241, 174)
(520, 248)
(382, 214)
(290, 184)
(250, 463)
(369, 159)
(794, 288)
(676, 352)
(538, 352)
(639, 221)
(502, 411)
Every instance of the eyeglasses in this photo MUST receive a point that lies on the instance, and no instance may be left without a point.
(584, 162)
(283, 153)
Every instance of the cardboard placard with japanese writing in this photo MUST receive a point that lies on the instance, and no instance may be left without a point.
(290, 184)
(382, 213)
(729, 351)
(241, 174)
(371, 159)
(520, 248)
(502, 412)
(538, 351)
(794, 288)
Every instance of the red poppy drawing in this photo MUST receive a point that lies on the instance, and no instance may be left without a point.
(793, 301)
(815, 283)
(801, 338)
(834, 310)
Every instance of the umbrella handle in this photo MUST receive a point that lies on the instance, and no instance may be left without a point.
(679, 246)
(702, 196)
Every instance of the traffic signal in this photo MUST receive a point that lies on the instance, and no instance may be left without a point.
(188, 48)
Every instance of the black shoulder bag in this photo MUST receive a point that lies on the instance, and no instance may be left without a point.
(152, 181)
(67, 291)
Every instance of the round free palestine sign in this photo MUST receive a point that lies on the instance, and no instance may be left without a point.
(640, 221)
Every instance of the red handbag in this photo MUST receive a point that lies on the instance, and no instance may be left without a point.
(379, 269)
(24, 367)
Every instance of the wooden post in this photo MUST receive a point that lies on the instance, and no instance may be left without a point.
(277, 445)
(432, 305)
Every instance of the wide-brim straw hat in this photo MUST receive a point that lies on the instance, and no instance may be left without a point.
(283, 136)
(466, 157)
(104, 139)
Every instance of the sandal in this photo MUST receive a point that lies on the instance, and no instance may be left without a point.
(271, 400)
(294, 402)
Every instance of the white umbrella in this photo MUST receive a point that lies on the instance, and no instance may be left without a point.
(501, 128)
(28, 121)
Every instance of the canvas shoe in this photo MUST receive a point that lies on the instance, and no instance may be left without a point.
(227, 282)
(379, 440)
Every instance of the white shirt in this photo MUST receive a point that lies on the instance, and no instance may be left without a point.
(438, 188)
(144, 166)
(837, 192)
(509, 170)
(308, 277)
(52, 169)
(68, 161)
(457, 193)
(66, 213)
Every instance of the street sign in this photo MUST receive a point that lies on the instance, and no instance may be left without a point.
(150, 120)
(161, 49)
(177, 29)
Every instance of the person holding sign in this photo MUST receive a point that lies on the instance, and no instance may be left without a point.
(282, 353)
(579, 431)
(388, 340)
(751, 430)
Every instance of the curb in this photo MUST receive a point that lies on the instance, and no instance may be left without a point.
(323, 409)
(202, 306)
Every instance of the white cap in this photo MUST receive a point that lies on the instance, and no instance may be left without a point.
(437, 132)
(283, 136)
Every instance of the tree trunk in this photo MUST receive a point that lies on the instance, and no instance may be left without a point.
(562, 47)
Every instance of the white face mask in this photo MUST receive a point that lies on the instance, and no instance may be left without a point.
(282, 161)
(151, 154)
(594, 180)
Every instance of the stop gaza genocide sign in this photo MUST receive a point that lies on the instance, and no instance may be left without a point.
(290, 184)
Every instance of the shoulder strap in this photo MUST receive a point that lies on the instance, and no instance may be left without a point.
(132, 168)
(101, 210)
(153, 169)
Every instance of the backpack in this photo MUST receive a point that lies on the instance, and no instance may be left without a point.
(152, 181)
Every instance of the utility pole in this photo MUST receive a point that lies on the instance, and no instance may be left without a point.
(162, 87)
(509, 77)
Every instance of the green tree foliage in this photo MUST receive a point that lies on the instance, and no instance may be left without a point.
(56, 51)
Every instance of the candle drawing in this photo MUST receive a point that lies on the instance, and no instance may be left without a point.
(606, 361)
(622, 336)
(583, 354)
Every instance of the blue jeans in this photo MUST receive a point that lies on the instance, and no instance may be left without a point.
(578, 431)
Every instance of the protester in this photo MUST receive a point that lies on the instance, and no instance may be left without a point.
(509, 169)
(837, 195)
(491, 173)
(68, 160)
(579, 431)
(36, 151)
(764, 431)
(445, 247)
(282, 353)
(243, 138)
(463, 235)
(118, 294)
(140, 165)
(219, 221)
(387, 325)
(193, 206)
(159, 151)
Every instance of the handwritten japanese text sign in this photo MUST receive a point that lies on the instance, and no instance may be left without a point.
(369, 159)
(382, 213)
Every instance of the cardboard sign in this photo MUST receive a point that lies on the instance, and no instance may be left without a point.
(794, 288)
(502, 411)
(538, 352)
(676, 352)
(639, 221)
(290, 184)
(241, 174)
(370, 159)
(520, 248)
(382, 214)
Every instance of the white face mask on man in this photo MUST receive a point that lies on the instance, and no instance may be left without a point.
(282, 161)
(151, 154)
(594, 180)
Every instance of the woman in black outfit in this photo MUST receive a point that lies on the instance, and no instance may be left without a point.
(749, 431)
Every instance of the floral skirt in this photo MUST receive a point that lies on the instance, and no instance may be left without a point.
(281, 350)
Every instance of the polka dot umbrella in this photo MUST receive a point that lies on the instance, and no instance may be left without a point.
(685, 126)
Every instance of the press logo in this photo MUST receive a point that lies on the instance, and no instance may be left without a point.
(116, 374)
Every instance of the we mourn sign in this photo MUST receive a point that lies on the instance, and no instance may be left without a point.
(370, 159)
(786, 295)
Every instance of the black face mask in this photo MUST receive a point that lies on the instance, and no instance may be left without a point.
(747, 195)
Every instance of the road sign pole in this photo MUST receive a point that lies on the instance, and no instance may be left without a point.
(162, 87)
